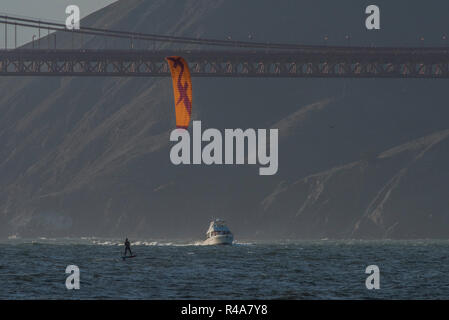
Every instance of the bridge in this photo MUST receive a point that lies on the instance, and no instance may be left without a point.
(322, 62)
(245, 59)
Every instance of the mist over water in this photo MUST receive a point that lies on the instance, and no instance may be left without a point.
(325, 269)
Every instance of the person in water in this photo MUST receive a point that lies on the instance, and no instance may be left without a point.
(128, 247)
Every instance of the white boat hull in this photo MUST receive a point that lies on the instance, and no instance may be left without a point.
(219, 239)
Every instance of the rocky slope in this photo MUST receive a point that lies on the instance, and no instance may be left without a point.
(357, 158)
(398, 193)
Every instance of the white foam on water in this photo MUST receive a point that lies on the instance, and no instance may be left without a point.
(164, 244)
(144, 243)
(107, 243)
(118, 242)
(237, 243)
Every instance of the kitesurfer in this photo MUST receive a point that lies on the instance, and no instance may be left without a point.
(128, 247)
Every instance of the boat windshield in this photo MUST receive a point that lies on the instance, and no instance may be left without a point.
(217, 233)
(217, 227)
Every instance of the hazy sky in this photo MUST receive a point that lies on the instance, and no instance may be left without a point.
(43, 9)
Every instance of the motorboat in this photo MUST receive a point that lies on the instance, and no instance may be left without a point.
(218, 233)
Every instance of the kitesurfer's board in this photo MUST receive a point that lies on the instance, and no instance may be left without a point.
(127, 257)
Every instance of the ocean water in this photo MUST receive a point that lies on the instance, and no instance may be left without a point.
(35, 269)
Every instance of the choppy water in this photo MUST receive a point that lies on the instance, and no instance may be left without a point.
(35, 269)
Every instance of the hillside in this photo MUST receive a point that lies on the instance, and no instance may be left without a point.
(357, 158)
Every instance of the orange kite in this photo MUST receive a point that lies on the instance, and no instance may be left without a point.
(182, 90)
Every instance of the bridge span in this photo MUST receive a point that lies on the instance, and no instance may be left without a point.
(310, 62)
(235, 59)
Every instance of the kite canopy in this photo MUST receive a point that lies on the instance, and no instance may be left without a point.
(182, 90)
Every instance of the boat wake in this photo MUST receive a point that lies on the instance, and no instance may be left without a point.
(114, 242)
(162, 243)
(148, 243)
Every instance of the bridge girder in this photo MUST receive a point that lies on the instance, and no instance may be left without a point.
(338, 62)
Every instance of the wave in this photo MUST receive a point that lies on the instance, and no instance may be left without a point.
(115, 242)
(161, 243)
(146, 243)
(238, 243)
